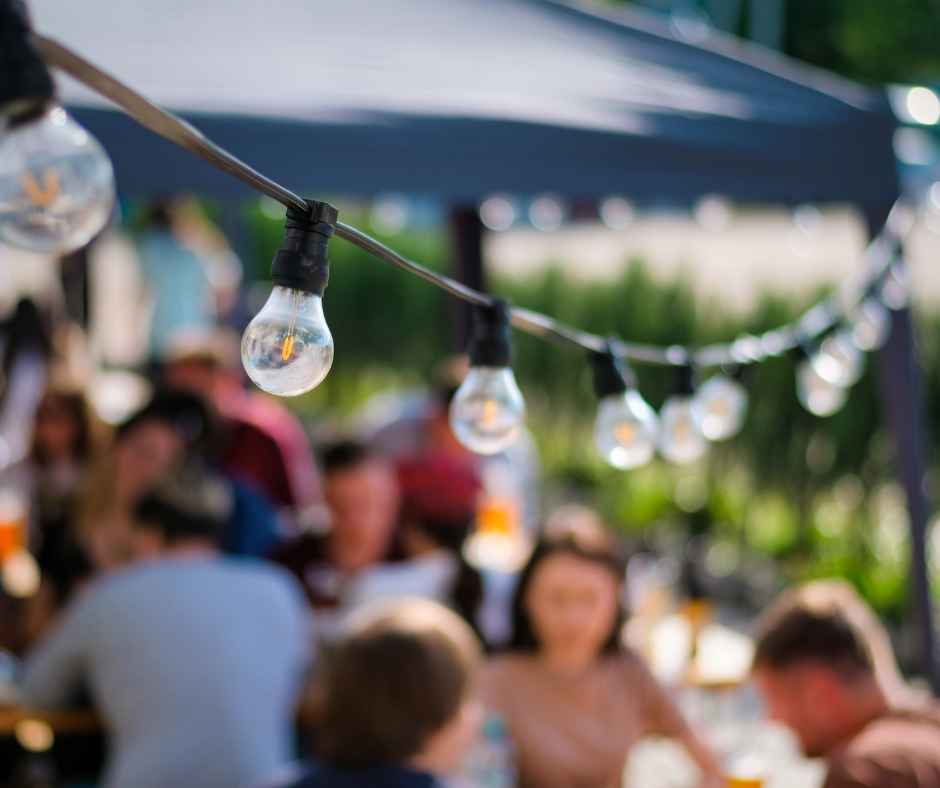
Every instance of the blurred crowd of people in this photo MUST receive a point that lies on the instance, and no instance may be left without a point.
(211, 582)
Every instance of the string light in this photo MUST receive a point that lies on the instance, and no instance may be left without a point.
(680, 436)
(719, 407)
(56, 181)
(819, 395)
(488, 411)
(871, 325)
(287, 349)
(626, 428)
(839, 360)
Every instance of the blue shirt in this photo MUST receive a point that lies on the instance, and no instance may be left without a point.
(193, 663)
(182, 294)
(326, 776)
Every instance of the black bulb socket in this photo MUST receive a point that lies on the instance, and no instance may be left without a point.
(26, 86)
(804, 350)
(491, 341)
(302, 262)
(611, 377)
(685, 381)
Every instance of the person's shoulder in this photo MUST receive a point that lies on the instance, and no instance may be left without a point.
(265, 575)
(900, 729)
(901, 744)
(853, 771)
(119, 581)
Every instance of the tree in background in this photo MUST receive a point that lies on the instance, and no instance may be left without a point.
(867, 40)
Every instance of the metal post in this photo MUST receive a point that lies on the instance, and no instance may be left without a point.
(902, 396)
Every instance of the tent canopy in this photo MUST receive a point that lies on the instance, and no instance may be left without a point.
(459, 99)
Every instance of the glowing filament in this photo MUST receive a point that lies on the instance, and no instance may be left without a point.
(625, 433)
(287, 349)
(490, 413)
(41, 195)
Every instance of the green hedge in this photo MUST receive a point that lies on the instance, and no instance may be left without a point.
(778, 489)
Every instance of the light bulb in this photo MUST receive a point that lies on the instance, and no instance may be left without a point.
(719, 407)
(626, 429)
(288, 349)
(488, 411)
(839, 360)
(680, 438)
(819, 396)
(871, 325)
(56, 184)
(20, 575)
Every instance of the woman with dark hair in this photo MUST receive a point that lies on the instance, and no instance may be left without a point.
(574, 698)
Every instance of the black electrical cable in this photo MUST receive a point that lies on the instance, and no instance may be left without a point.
(881, 252)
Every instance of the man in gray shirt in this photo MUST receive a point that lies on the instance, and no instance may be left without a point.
(194, 661)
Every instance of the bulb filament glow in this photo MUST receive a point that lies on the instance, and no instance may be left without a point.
(44, 195)
(287, 349)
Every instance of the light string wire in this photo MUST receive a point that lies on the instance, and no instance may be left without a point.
(881, 254)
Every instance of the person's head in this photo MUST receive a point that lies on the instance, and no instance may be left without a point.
(187, 510)
(64, 428)
(362, 496)
(205, 364)
(173, 426)
(568, 599)
(161, 214)
(817, 661)
(439, 497)
(399, 689)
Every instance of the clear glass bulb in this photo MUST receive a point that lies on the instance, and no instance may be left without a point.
(680, 438)
(288, 349)
(871, 325)
(20, 575)
(839, 360)
(719, 407)
(488, 411)
(626, 429)
(56, 184)
(818, 395)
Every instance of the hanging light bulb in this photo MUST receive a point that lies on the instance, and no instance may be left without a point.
(626, 426)
(56, 181)
(488, 412)
(871, 325)
(288, 349)
(819, 396)
(56, 184)
(839, 360)
(680, 436)
(719, 407)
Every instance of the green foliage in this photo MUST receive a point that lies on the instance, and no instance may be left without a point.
(807, 492)
(873, 41)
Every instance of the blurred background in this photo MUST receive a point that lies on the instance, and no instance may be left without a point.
(791, 498)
